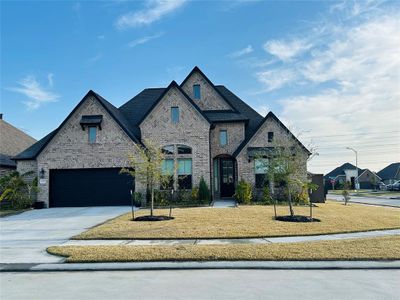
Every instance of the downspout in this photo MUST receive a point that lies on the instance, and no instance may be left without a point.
(210, 163)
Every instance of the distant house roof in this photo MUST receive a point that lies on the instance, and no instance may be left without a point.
(13, 140)
(340, 170)
(391, 171)
(133, 112)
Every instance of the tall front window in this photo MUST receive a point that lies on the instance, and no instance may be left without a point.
(185, 173)
(92, 134)
(260, 170)
(167, 169)
(175, 114)
(223, 137)
(196, 92)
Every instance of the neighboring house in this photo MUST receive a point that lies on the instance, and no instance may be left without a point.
(348, 173)
(12, 142)
(204, 129)
(390, 174)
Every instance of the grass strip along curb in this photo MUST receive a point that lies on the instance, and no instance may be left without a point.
(381, 248)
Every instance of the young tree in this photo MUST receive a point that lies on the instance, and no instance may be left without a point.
(285, 163)
(145, 165)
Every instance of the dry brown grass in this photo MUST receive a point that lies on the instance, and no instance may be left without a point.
(382, 248)
(247, 221)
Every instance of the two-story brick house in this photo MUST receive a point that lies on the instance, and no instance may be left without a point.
(204, 129)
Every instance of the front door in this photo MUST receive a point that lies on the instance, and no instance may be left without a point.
(227, 176)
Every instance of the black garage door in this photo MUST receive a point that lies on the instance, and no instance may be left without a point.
(89, 187)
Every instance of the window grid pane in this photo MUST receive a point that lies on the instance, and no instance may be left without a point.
(92, 135)
(185, 166)
(175, 114)
(261, 165)
(167, 167)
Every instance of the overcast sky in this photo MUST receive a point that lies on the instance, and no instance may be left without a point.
(329, 70)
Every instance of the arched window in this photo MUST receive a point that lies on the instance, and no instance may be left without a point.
(170, 149)
(183, 149)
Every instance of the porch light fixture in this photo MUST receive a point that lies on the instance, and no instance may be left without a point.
(41, 173)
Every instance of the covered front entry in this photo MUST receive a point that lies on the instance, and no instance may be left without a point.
(89, 187)
(224, 176)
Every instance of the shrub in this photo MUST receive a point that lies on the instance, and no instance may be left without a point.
(184, 197)
(162, 198)
(137, 199)
(195, 194)
(204, 191)
(17, 189)
(243, 192)
(301, 198)
(267, 197)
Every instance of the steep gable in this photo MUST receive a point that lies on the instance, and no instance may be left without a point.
(258, 136)
(33, 151)
(211, 98)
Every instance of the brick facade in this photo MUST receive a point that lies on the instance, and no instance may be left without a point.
(210, 99)
(192, 130)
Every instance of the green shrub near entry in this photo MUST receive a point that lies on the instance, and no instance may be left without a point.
(204, 191)
(243, 192)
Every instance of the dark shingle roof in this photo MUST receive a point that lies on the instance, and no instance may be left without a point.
(340, 170)
(36, 148)
(138, 106)
(225, 116)
(6, 161)
(392, 171)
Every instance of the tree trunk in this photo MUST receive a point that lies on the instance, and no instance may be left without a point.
(290, 203)
(152, 202)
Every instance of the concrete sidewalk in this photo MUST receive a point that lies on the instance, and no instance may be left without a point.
(290, 239)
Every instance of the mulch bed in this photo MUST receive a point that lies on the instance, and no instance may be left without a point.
(153, 218)
(297, 218)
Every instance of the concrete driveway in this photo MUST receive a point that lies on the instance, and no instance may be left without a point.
(25, 237)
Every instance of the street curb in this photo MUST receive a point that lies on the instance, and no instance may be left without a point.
(213, 265)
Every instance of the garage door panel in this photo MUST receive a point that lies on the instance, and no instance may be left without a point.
(89, 187)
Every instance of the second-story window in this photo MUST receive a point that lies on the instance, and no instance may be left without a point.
(175, 114)
(223, 137)
(92, 134)
(270, 137)
(196, 92)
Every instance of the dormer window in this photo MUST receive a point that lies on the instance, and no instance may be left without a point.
(196, 92)
(92, 123)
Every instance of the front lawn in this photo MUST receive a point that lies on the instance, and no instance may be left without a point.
(247, 221)
(382, 248)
